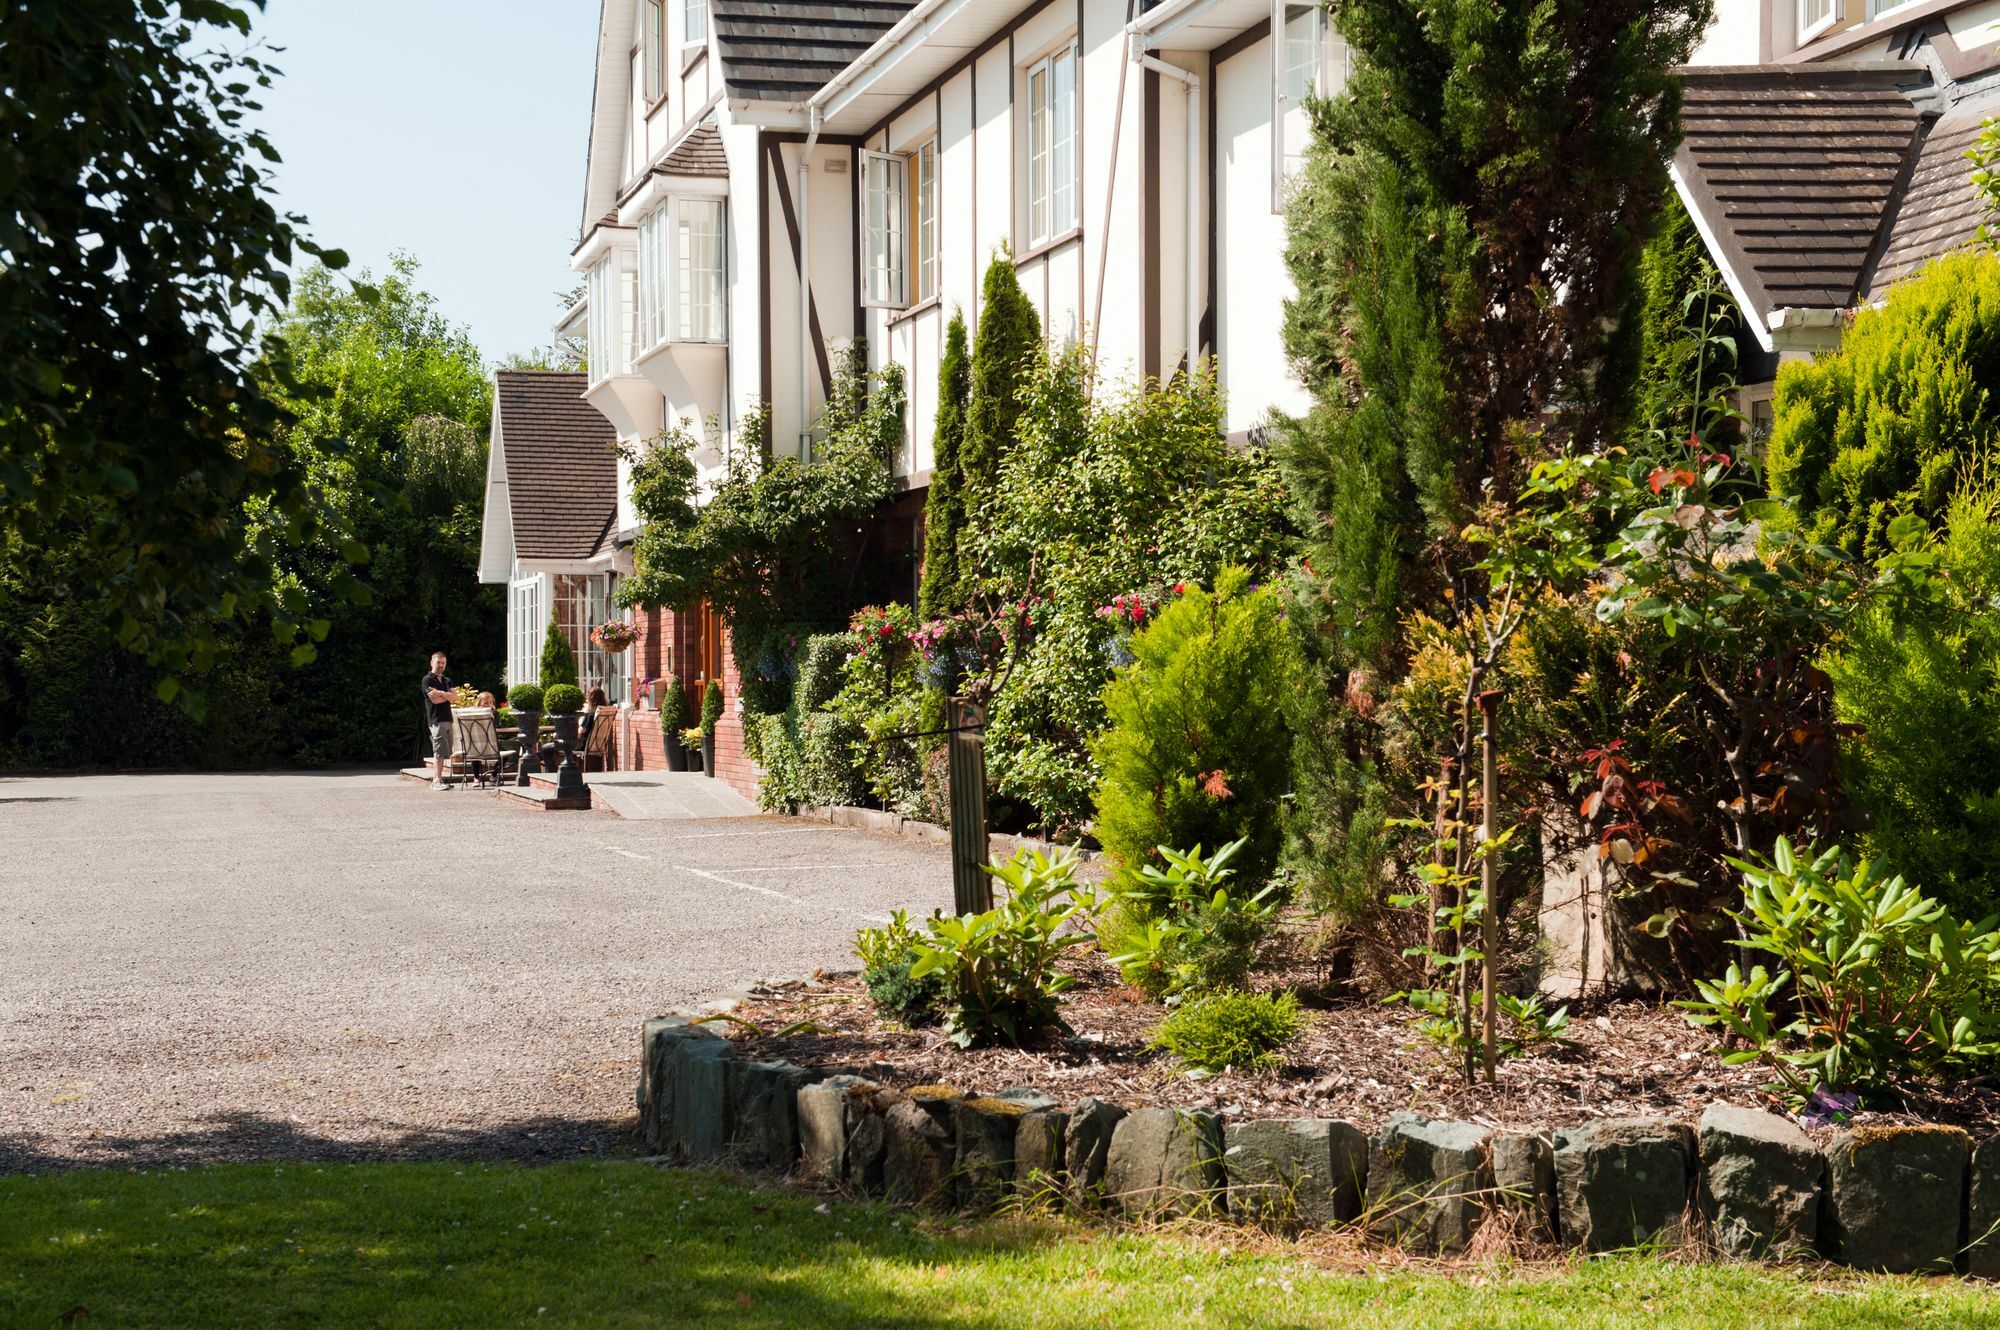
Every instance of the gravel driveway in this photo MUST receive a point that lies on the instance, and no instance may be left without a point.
(347, 966)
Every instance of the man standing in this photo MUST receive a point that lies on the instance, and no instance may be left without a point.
(438, 697)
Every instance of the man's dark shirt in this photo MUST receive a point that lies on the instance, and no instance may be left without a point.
(437, 711)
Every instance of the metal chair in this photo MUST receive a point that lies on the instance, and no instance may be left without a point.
(477, 745)
(600, 746)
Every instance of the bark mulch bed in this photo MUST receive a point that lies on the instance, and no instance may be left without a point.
(1357, 1060)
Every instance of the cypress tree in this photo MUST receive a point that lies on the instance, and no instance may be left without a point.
(1008, 336)
(558, 661)
(1466, 242)
(944, 508)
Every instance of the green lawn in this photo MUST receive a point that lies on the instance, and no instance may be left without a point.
(627, 1245)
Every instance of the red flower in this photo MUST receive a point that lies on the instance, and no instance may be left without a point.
(1215, 786)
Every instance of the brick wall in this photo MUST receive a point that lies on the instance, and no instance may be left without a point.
(671, 647)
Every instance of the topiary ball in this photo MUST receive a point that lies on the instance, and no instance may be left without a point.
(563, 699)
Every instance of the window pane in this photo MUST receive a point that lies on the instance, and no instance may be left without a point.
(656, 53)
(927, 221)
(1038, 155)
(1814, 12)
(1062, 141)
(694, 20)
(703, 274)
(1302, 48)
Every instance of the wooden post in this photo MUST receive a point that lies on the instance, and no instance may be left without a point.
(1489, 877)
(971, 889)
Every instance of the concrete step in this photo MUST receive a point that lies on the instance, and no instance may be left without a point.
(545, 798)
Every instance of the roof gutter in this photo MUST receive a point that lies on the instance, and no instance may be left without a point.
(919, 21)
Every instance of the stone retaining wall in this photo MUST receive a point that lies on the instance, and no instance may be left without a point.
(1749, 1184)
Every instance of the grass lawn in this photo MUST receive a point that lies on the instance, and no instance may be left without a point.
(625, 1244)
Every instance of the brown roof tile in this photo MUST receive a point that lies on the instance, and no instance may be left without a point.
(562, 470)
(699, 154)
(1939, 211)
(1793, 169)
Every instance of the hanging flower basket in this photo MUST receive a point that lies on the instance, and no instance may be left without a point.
(615, 636)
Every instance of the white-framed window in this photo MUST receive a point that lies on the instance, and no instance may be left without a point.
(703, 275)
(1815, 16)
(1311, 61)
(1052, 185)
(652, 24)
(683, 273)
(924, 165)
(1877, 8)
(604, 319)
(884, 258)
(655, 269)
(694, 20)
(580, 602)
(524, 631)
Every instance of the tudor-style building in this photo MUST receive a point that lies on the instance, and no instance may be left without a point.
(1824, 156)
(768, 178)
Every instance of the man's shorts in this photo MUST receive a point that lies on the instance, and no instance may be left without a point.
(441, 738)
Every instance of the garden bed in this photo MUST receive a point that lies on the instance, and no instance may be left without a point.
(1357, 1060)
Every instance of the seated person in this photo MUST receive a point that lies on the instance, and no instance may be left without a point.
(485, 700)
(590, 705)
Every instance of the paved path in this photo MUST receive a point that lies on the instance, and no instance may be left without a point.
(276, 966)
(644, 795)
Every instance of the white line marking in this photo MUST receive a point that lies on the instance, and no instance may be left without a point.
(627, 853)
(779, 831)
(731, 882)
(810, 868)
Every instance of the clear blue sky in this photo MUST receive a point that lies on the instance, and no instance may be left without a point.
(452, 129)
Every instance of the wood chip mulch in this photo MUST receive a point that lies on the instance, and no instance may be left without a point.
(1357, 1060)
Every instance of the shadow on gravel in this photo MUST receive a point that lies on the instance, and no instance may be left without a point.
(253, 1138)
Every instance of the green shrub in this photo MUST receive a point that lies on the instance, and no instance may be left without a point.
(1901, 414)
(558, 661)
(887, 956)
(821, 661)
(1231, 1031)
(671, 698)
(1875, 981)
(1180, 930)
(1918, 679)
(563, 699)
(711, 708)
(998, 969)
(525, 697)
(1198, 752)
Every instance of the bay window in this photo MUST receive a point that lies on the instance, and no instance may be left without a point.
(682, 273)
(1052, 186)
(703, 274)
(605, 329)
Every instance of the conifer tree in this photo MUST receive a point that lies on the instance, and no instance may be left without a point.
(944, 510)
(1466, 241)
(1003, 347)
(558, 660)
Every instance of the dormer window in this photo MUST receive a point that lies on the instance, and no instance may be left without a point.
(654, 41)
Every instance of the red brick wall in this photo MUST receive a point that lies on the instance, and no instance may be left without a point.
(730, 763)
(670, 647)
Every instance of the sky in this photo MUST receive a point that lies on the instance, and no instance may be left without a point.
(451, 129)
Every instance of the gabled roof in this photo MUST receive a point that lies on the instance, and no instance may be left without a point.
(561, 467)
(1793, 173)
(783, 51)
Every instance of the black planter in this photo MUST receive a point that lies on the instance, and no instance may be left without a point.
(708, 754)
(530, 723)
(677, 758)
(565, 728)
